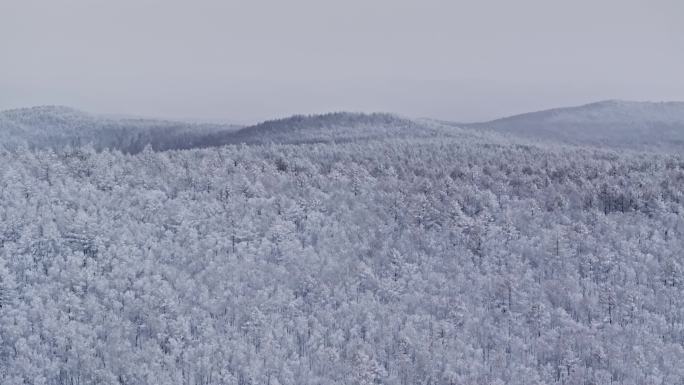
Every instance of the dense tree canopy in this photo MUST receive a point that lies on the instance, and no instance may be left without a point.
(422, 261)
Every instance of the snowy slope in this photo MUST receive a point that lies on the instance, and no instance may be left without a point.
(612, 123)
(335, 127)
(58, 126)
(392, 251)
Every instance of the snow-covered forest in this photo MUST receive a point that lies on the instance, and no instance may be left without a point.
(428, 254)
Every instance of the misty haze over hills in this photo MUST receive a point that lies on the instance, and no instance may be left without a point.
(59, 126)
(612, 123)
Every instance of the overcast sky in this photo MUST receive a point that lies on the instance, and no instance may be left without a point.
(251, 60)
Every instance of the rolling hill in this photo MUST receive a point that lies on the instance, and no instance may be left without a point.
(611, 123)
(58, 126)
(335, 127)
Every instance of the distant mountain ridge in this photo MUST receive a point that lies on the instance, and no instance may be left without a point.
(609, 123)
(335, 126)
(59, 126)
(613, 110)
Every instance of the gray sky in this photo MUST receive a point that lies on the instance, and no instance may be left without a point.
(252, 60)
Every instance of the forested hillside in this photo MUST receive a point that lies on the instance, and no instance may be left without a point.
(616, 124)
(336, 127)
(57, 127)
(410, 260)
(620, 125)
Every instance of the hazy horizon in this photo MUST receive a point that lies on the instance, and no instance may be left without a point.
(243, 63)
(342, 248)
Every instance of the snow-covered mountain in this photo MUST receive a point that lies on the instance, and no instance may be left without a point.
(393, 251)
(58, 126)
(336, 127)
(611, 123)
